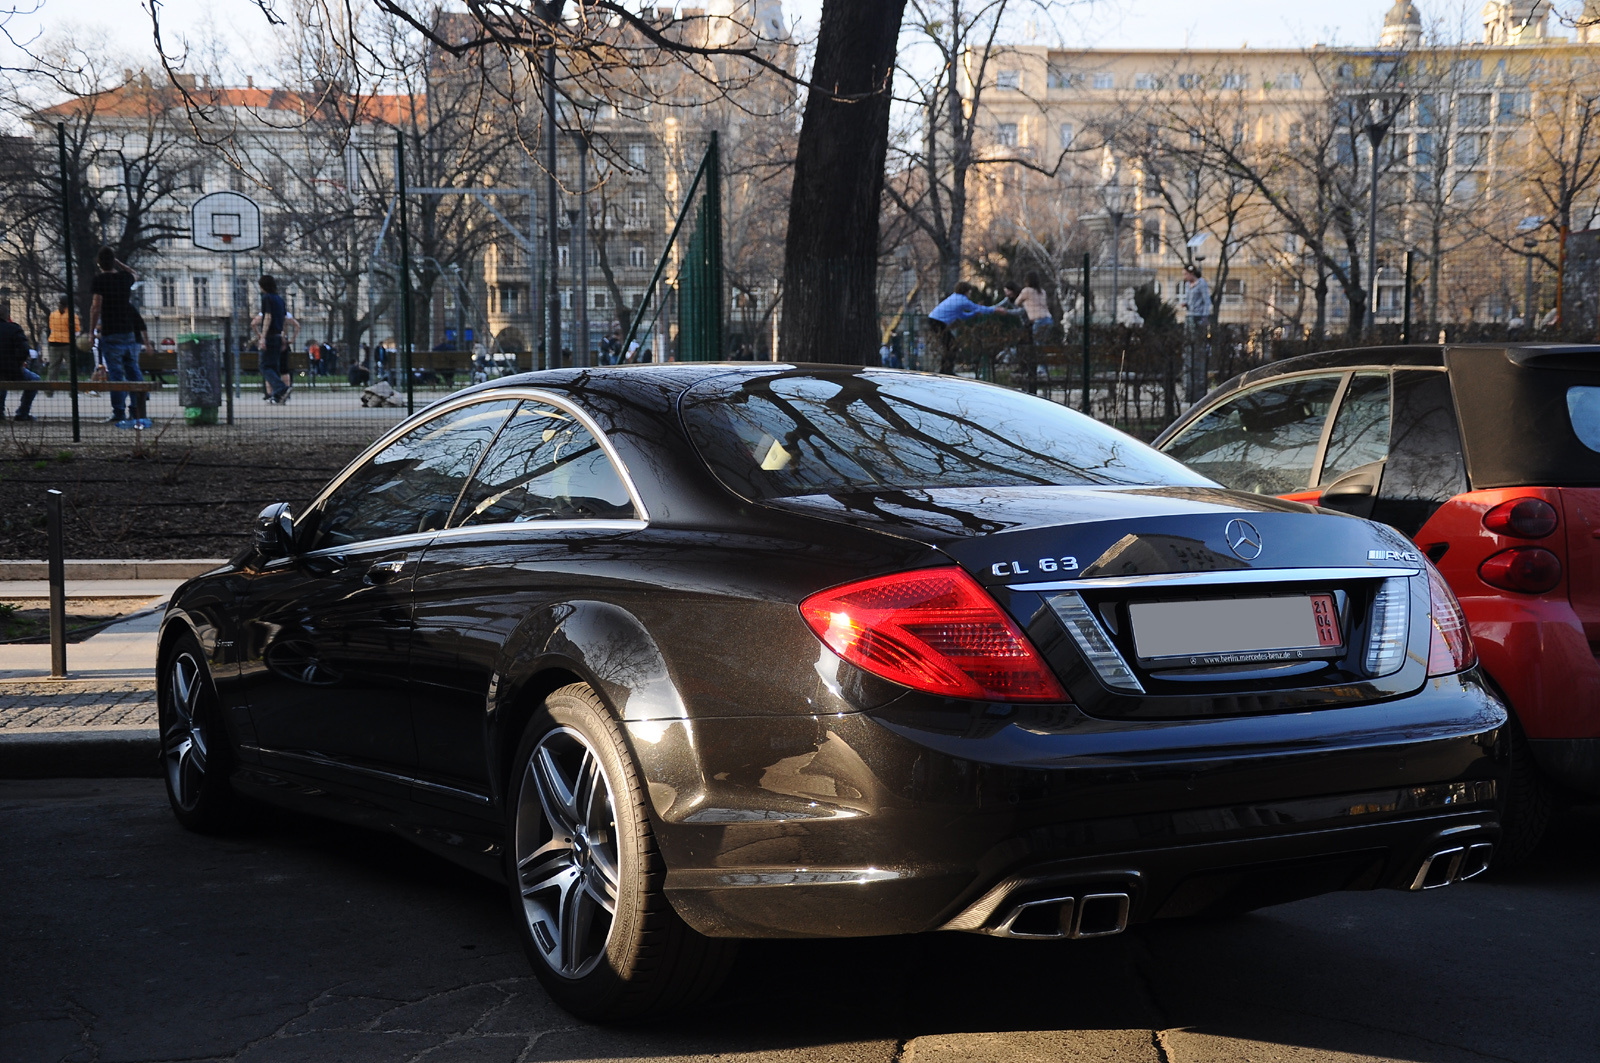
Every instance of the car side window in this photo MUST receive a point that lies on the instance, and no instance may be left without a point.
(1425, 468)
(1265, 440)
(1360, 433)
(545, 465)
(412, 484)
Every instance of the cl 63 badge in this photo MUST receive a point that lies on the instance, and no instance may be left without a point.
(1044, 564)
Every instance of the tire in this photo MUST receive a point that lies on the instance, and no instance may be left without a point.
(196, 758)
(579, 840)
(1530, 800)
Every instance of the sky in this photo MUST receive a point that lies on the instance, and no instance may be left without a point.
(1091, 23)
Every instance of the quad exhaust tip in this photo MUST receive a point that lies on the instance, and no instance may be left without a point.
(1094, 915)
(1449, 866)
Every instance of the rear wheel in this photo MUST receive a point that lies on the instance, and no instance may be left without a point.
(587, 879)
(1530, 800)
(195, 756)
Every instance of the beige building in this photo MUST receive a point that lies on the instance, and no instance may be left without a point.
(1158, 147)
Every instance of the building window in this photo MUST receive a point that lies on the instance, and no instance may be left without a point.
(1150, 236)
(202, 292)
(1233, 290)
(1467, 187)
(1006, 134)
(1059, 77)
(1467, 69)
(638, 205)
(510, 298)
(1066, 135)
(566, 298)
(169, 292)
(636, 257)
(563, 256)
(599, 300)
(1472, 149)
(1105, 81)
(1474, 109)
(1144, 81)
(1188, 81)
(639, 156)
(241, 294)
(1296, 134)
(1236, 81)
(1422, 150)
(1513, 106)
(1289, 79)
(1008, 80)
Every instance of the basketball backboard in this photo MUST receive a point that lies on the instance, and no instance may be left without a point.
(225, 221)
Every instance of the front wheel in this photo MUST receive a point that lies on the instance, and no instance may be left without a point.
(587, 879)
(195, 756)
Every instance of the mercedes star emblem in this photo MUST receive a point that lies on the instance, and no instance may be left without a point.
(1243, 539)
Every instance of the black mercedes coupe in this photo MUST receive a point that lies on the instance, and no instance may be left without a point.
(690, 653)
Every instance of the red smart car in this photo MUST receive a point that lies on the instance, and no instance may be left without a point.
(1489, 459)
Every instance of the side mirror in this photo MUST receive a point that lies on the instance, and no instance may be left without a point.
(1355, 491)
(275, 531)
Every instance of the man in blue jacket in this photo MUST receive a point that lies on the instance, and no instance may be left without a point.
(14, 356)
(956, 308)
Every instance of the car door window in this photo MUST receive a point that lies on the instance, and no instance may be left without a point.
(412, 484)
(545, 465)
(1360, 433)
(1265, 440)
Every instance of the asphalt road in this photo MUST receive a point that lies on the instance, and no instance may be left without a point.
(125, 938)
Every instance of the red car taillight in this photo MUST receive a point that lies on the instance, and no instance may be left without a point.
(1450, 649)
(1529, 569)
(934, 630)
(1523, 518)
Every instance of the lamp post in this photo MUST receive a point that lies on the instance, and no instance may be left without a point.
(1527, 227)
(1112, 195)
(1381, 110)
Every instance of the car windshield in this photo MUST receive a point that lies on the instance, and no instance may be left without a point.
(800, 433)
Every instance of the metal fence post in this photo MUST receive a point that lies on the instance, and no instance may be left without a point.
(1405, 323)
(405, 270)
(58, 586)
(227, 362)
(1086, 332)
(72, 294)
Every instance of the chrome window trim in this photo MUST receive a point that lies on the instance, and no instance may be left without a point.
(473, 531)
(448, 405)
(1220, 578)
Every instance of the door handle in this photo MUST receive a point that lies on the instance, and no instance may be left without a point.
(383, 572)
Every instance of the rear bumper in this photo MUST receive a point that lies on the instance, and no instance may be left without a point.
(927, 815)
(1571, 762)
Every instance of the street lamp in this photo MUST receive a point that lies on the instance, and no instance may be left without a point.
(1381, 110)
(1111, 195)
(1527, 227)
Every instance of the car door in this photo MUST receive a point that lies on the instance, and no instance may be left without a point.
(1266, 440)
(328, 630)
(536, 527)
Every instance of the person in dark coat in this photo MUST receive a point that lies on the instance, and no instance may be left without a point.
(15, 351)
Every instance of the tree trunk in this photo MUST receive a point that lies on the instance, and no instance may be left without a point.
(830, 311)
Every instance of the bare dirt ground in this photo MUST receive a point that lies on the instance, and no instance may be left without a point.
(28, 620)
(177, 499)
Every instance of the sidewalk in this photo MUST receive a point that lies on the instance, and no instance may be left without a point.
(101, 720)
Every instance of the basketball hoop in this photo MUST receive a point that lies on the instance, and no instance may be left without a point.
(225, 221)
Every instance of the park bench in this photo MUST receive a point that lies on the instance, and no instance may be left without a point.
(83, 385)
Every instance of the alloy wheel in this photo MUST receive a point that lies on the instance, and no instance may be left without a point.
(183, 738)
(568, 865)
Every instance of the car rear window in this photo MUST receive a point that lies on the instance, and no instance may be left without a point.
(786, 434)
(1583, 409)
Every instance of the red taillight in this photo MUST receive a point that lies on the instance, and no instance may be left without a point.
(1523, 518)
(1529, 569)
(1451, 648)
(934, 630)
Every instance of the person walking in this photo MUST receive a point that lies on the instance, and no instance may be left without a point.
(956, 308)
(270, 325)
(111, 319)
(1197, 301)
(59, 344)
(15, 351)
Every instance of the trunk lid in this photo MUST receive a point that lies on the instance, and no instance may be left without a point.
(1095, 575)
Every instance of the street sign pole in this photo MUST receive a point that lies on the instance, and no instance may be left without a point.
(405, 270)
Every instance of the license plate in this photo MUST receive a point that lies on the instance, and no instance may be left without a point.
(1236, 630)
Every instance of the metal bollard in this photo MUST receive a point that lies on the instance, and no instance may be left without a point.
(58, 587)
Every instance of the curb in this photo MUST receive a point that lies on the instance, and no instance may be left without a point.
(81, 753)
(112, 568)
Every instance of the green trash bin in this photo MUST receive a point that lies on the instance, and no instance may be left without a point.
(199, 377)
